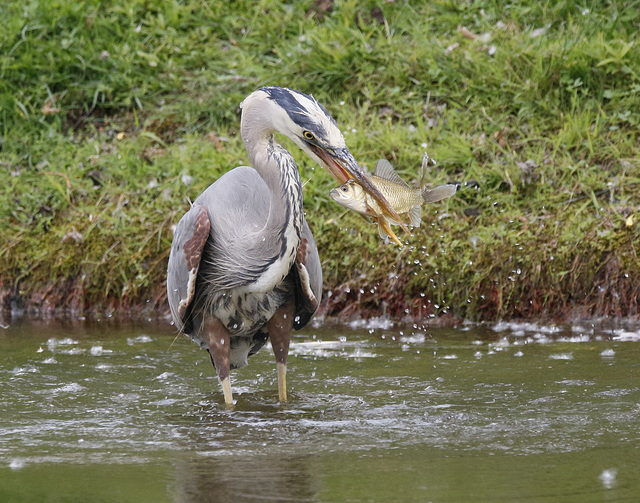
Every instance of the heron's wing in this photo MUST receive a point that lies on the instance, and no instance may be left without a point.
(241, 246)
(189, 239)
(308, 281)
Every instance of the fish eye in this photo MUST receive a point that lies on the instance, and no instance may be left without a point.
(308, 135)
(344, 188)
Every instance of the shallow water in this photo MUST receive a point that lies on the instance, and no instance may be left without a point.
(506, 412)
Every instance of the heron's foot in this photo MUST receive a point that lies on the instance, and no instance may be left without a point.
(282, 381)
(279, 328)
(219, 343)
(226, 390)
(301, 253)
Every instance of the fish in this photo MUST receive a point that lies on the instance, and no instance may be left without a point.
(406, 200)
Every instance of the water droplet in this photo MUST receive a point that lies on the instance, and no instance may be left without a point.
(608, 478)
(16, 464)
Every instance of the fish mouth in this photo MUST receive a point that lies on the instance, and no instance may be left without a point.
(343, 167)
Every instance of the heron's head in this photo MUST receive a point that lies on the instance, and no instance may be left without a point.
(304, 120)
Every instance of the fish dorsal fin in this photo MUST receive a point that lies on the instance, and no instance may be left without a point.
(423, 169)
(385, 170)
(415, 215)
(439, 193)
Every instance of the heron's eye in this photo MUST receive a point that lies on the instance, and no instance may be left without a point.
(308, 135)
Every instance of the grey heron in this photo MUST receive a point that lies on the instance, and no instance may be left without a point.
(244, 266)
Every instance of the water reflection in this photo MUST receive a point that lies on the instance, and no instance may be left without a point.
(209, 478)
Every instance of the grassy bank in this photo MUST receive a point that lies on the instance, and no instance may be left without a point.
(113, 114)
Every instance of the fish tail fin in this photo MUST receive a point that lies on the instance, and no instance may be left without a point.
(439, 193)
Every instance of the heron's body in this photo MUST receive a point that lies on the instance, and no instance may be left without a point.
(248, 275)
(244, 266)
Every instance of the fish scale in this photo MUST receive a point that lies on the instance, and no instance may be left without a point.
(401, 198)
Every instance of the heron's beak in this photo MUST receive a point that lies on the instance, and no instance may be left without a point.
(342, 166)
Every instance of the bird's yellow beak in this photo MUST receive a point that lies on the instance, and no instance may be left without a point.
(343, 167)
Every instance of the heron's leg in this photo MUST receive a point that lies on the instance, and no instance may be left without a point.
(217, 337)
(279, 328)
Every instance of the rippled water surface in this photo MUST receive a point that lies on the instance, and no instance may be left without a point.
(507, 412)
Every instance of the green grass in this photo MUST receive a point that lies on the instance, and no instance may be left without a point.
(105, 106)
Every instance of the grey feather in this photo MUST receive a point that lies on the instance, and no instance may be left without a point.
(182, 271)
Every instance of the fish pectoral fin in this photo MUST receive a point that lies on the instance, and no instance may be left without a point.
(415, 215)
(403, 226)
(385, 230)
(381, 231)
(393, 218)
(369, 218)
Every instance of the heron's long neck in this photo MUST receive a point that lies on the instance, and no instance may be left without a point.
(281, 233)
(280, 173)
(277, 168)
